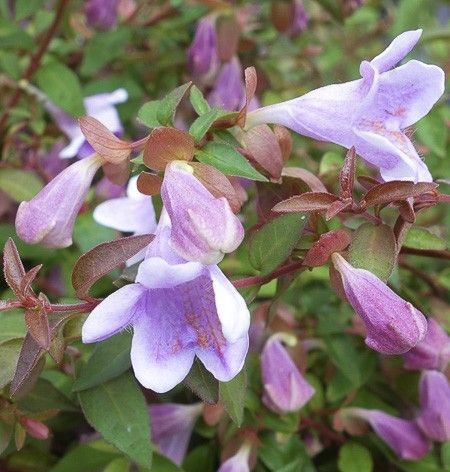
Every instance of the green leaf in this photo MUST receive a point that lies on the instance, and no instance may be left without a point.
(228, 160)
(12, 325)
(272, 244)
(20, 185)
(160, 463)
(62, 86)
(373, 248)
(169, 104)
(110, 359)
(5, 435)
(233, 395)
(25, 8)
(198, 101)
(201, 458)
(87, 233)
(9, 354)
(421, 238)
(118, 411)
(445, 455)
(46, 396)
(432, 131)
(103, 48)
(354, 457)
(147, 114)
(204, 122)
(202, 383)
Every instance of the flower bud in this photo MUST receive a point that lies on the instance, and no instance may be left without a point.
(203, 227)
(285, 388)
(402, 436)
(228, 91)
(34, 428)
(238, 462)
(434, 416)
(393, 325)
(48, 218)
(433, 352)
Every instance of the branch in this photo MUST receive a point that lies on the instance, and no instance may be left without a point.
(440, 254)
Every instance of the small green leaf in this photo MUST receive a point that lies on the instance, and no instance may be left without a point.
(12, 325)
(421, 238)
(87, 233)
(5, 435)
(20, 185)
(62, 86)
(110, 359)
(117, 410)
(204, 122)
(198, 101)
(354, 457)
(147, 114)
(233, 395)
(202, 383)
(272, 244)
(373, 248)
(169, 104)
(228, 160)
(46, 396)
(445, 455)
(9, 354)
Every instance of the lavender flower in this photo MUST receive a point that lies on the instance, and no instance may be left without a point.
(228, 90)
(285, 389)
(402, 436)
(434, 416)
(300, 18)
(393, 325)
(178, 310)
(370, 113)
(204, 227)
(131, 214)
(172, 426)
(238, 462)
(48, 218)
(101, 13)
(202, 55)
(100, 106)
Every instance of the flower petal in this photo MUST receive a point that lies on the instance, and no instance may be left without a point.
(396, 51)
(113, 314)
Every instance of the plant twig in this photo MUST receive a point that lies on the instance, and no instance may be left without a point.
(261, 280)
(439, 254)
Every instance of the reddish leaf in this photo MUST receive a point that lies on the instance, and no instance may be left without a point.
(284, 141)
(406, 209)
(262, 145)
(103, 258)
(28, 278)
(281, 14)
(367, 182)
(217, 183)
(13, 268)
(250, 89)
(167, 144)
(333, 241)
(227, 31)
(401, 229)
(336, 207)
(395, 191)
(313, 182)
(149, 184)
(309, 201)
(38, 327)
(117, 173)
(347, 174)
(104, 142)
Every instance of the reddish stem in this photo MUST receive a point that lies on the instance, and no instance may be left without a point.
(444, 254)
(82, 307)
(258, 280)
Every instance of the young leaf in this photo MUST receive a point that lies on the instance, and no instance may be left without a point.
(198, 101)
(272, 244)
(168, 105)
(103, 258)
(110, 359)
(228, 160)
(204, 122)
(309, 201)
(421, 238)
(149, 184)
(148, 112)
(202, 383)
(333, 241)
(250, 89)
(314, 183)
(13, 269)
(347, 174)
(117, 410)
(38, 327)
(233, 394)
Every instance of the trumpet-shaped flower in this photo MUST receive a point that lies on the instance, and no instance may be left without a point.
(238, 462)
(402, 436)
(434, 416)
(178, 310)
(204, 227)
(433, 352)
(370, 113)
(100, 106)
(202, 54)
(48, 218)
(393, 325)
(131, 214)
(285, 388)
(101, 13)
(172, 426)
(228, 91)
(300, 18)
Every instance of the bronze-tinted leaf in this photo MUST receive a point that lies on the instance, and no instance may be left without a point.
(217, 183)
(309, 201)
(117, 173)
(149, 184)
(104, 142)
(284, 138)
(395, 191)
(347, 174)
(281, 14)
(336, 207)
(262, 145)
(367, 182)
(38, 327)
(227, 31)
(12, 267)
(167, 144)
(103, 258)
(313, 182)
(406, 209)
(28, 278)
(250, 89)
(333, 241)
